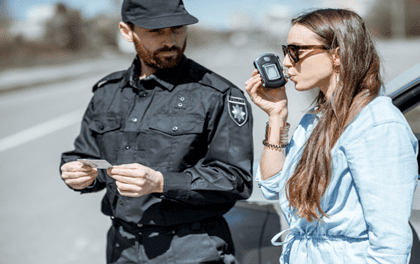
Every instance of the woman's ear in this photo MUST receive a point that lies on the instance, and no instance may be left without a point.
(126, 31)
(336, 57)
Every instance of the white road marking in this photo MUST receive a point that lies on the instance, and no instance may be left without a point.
(41, 130)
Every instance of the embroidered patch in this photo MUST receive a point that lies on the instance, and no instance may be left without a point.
(237, 110)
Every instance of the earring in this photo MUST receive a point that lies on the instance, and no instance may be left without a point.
(337, 71)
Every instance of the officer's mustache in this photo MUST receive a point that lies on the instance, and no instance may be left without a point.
(173, 48)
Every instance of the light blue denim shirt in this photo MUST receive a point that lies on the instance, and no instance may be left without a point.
(369, 198)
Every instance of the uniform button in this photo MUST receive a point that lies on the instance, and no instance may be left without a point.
(179, 104)
(121, 203)
(134, 120)
(175, 128)
(101, 127)
(144, 95)
(139, 225)
(182, 98)
(112, 217)
(127, 147)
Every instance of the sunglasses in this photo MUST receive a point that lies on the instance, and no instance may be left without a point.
(293, 50)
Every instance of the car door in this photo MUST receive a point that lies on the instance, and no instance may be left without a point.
(405, 93)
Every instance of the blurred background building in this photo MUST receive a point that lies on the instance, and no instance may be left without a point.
(56, 32)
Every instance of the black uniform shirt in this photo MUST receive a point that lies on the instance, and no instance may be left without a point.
(187, 122)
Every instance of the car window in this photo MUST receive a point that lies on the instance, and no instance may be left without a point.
(413, 118)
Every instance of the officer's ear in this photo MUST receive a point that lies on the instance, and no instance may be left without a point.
(126, 31)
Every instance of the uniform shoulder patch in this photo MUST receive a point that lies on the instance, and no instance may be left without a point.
(237, 110)
(113, 77)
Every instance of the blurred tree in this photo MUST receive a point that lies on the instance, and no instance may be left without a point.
(4, 14)
(413, 18)
(103, 30)
(398, 18)
(66, 29)
(395, 18)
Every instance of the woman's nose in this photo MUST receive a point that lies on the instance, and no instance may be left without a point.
(287, 62)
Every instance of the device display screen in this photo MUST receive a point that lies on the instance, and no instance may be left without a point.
(271, 71)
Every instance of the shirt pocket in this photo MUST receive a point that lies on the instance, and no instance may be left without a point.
(176, 142)
(106, 128)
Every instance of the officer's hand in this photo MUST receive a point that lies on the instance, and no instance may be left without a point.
(77, 175)
(271, 101)
(135, 180)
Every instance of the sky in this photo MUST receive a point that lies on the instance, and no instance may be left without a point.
(213, 13)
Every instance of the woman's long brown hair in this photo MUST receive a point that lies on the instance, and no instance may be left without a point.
(359, 83)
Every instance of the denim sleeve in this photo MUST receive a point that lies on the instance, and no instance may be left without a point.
(382, 161)
(269, 187)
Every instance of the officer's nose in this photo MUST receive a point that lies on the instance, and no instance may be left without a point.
(169, 37)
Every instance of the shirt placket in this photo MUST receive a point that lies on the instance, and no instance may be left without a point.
(133, 148)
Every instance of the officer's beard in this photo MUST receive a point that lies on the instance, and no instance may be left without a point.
(156, 59)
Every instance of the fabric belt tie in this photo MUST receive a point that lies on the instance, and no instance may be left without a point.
(292, 236)
(287, 240)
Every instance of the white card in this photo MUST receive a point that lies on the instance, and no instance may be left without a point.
(99, 164)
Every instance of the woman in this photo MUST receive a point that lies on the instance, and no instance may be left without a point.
(346, 179)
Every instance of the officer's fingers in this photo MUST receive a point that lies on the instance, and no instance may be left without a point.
(130, 194)
(75, 166)
(121, 179)
(79, 183)
(139, 181)
(121, 173)
(79, 174)
(128, 166)
(133, 166)
(119, 170)
(135, 172)
(128, 189)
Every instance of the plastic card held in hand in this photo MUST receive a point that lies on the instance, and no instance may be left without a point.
(99, 164)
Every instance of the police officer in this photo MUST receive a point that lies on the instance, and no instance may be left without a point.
(179, 138)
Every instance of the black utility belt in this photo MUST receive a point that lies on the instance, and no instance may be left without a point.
(172, 229)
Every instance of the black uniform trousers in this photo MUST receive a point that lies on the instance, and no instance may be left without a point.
(207, 241)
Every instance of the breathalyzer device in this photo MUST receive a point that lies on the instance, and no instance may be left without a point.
(271, 72)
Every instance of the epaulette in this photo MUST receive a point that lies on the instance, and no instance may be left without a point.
(204, 76)
(113, 77)
(216, 81)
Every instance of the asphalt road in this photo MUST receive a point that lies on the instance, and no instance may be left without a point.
(42, 221)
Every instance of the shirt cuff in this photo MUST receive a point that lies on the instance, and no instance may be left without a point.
(176, 185)
(270, 186)
(92, 185)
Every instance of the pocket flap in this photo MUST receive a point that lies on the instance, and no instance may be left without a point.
(105, 123)
(179, 124)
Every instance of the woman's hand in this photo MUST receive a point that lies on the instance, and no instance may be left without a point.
(271, 101)
(274, 103)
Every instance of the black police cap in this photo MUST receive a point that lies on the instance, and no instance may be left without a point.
(154, 14)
